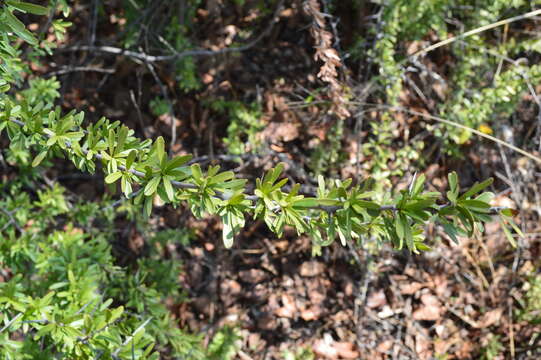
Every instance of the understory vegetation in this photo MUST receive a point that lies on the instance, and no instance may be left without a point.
(304, 179)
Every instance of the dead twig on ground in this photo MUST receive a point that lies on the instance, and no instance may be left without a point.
(141, 56)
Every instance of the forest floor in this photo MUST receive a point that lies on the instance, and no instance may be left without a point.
(457, 301)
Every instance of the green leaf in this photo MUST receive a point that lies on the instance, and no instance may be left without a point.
(160, 149)
(177, 161)
(130, 159)
(233, 221)
(485, 197)
(451, 230)
(367, 204)
(477, 187)
(329, 202)
(508, 234)
(476, 205)
(421, 246)
(121, 139)
(222, 177)
(4, 86)
(39, 158)
(196, 172)
(453, 185)
(19, 29)
(52, 140)
(418, 185)
(307, 203)
(227, 233)
(147, 210)
(152, 185)
(273, 174)
(467, 219)
(28, 7)
(111, 178)
(126, 186)
(168, 188)
(515, 227)
(44, 330)
(407, 232)
(400, 230)
(451, 196)
(278, 185)
(213, 170)
(111, 141)
(509, 212)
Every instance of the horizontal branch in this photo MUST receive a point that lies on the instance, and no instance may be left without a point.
(327, 208)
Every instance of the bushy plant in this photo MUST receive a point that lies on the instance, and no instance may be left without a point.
(243, 127)
(482, 88)
(62, 294)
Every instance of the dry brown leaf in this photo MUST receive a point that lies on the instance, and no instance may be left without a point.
(312, 313)
(423, 346)
(430, 310)
(331, 349)
(289, 308)
(253, 275)
(275, 132)
(466, 349)
(376, 299)
(312, 268)
(385, 346)
(490, 318)
(410, 288)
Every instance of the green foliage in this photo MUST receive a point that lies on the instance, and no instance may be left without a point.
(64, 296)
(328, 157)
(482, 88)
(532, 301)
(300, 354)
(243, 127)
(493, 349)
(173, 34)
(159, 106)
(224, 344)
(340, 209)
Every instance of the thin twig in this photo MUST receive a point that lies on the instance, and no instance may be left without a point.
(130, 338)
(179, 55)
(171, 114)
(11, 220)
(68, 70)
(11, 322)
(476, 31)
(452, 123)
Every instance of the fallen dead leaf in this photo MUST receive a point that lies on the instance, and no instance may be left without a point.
(312, 313)
(376, 299)
(280, 131)
(312, 268)
(385, 312)
(410, 288)
(331, 349)
(430, 310)
(423, 345)
(253, 275)
(385, 346)
(490, 318)
(289, 308)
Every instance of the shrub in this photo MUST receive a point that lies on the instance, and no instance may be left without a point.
(63, 295)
